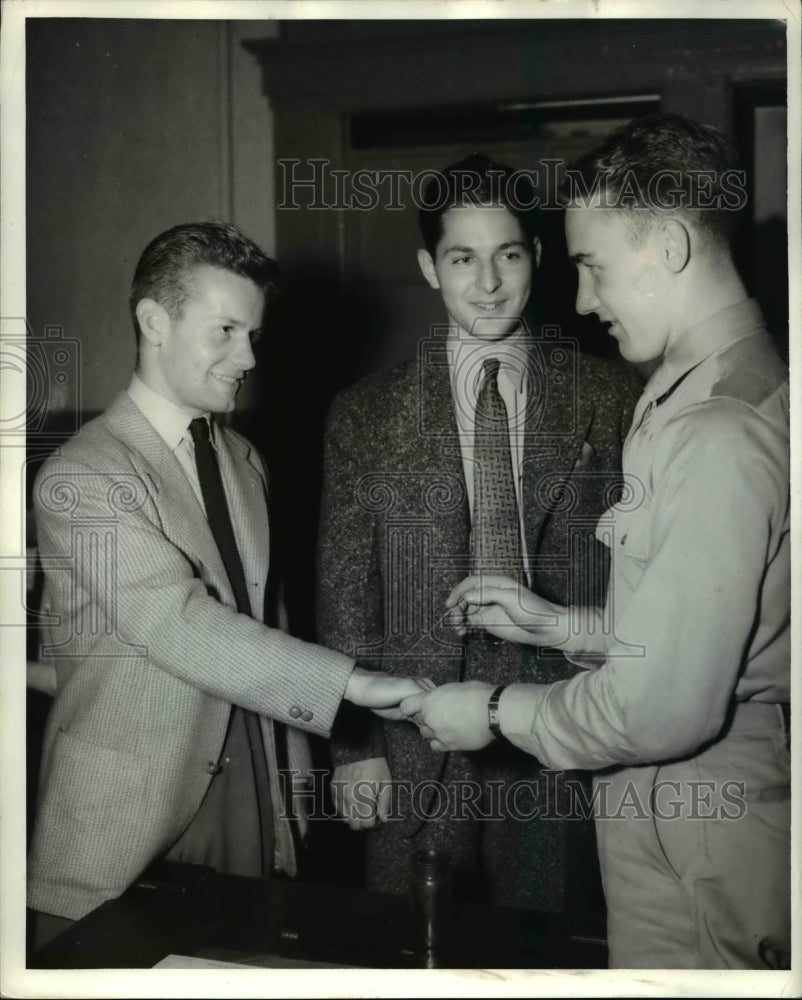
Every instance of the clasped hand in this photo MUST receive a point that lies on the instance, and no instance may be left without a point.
(452, 716)
(383, 692)
(455, 716)
(361, 789)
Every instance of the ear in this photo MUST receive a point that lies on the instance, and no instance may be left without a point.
(426, 265)
(675, 249)
(537, 251)
(153, 319)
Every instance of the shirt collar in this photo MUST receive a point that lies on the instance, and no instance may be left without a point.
(169, 421)
(466, 357)
(703, 339)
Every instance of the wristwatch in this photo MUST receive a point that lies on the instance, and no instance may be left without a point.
(492, 712)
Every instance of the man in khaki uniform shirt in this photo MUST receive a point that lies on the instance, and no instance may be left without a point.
(689, 710)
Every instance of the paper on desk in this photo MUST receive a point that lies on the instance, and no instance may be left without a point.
(188, 962)
(255, 961)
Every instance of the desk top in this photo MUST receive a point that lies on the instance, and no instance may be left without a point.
(186, 910)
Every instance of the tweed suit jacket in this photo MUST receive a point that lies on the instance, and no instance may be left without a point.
(150, 654)
(395, 527)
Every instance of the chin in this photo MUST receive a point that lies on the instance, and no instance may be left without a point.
(223, 403)
(216, 406)
(627, 351)
(490, 332)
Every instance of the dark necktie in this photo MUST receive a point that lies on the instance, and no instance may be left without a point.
(217, 513)
(496, 533)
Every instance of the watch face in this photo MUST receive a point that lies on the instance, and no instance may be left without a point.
(492, 711)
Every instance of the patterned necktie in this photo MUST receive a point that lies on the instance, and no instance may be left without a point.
(496, 533)
(219, 518)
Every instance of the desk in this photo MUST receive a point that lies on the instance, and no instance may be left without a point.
(187, 910)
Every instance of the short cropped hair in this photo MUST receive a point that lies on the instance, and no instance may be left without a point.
(476, 180)
(664, 162)
(163, 271)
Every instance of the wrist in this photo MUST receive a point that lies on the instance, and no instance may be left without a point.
(516, 709)
(585, 632)
(353, 684)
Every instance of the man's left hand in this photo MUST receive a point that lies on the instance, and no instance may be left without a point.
(453, 716)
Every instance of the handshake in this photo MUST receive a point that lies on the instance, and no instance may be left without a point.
(459, 716)
(455, 716)
(450, 717)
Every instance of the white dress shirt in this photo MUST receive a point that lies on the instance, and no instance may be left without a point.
(171, 423)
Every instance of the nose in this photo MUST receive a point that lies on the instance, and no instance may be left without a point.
(489, 278)
(243, 356)
(586, 298)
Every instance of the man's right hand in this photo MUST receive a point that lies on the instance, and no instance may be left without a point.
(383, 692)
(362, 791)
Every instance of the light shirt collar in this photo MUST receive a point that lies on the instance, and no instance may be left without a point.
(169, 421)
(466, 357)
(703, 339)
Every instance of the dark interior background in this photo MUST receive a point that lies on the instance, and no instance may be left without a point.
(415, 95)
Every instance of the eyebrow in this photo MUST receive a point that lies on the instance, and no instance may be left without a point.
(229, 320)
(501, 246)
(580, 258)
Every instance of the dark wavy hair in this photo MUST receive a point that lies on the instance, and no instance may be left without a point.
(476, 180)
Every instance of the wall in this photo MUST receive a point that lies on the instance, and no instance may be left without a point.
(131, 128)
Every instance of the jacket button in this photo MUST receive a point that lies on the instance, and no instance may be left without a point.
(307, 716)
(294, 712)
(212, 768)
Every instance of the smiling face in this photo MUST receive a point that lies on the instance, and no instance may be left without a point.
(483, 269)
(199, 360)
(623, 280)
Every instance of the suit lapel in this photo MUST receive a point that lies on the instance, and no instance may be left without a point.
(438, 445)
(447, 499)
(183, 520)
(557, 425)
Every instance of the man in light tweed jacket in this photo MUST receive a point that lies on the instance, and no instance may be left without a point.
(146, 753)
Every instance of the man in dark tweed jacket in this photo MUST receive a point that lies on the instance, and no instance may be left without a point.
(396, 537)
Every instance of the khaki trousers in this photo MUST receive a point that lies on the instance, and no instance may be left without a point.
(695, 854)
